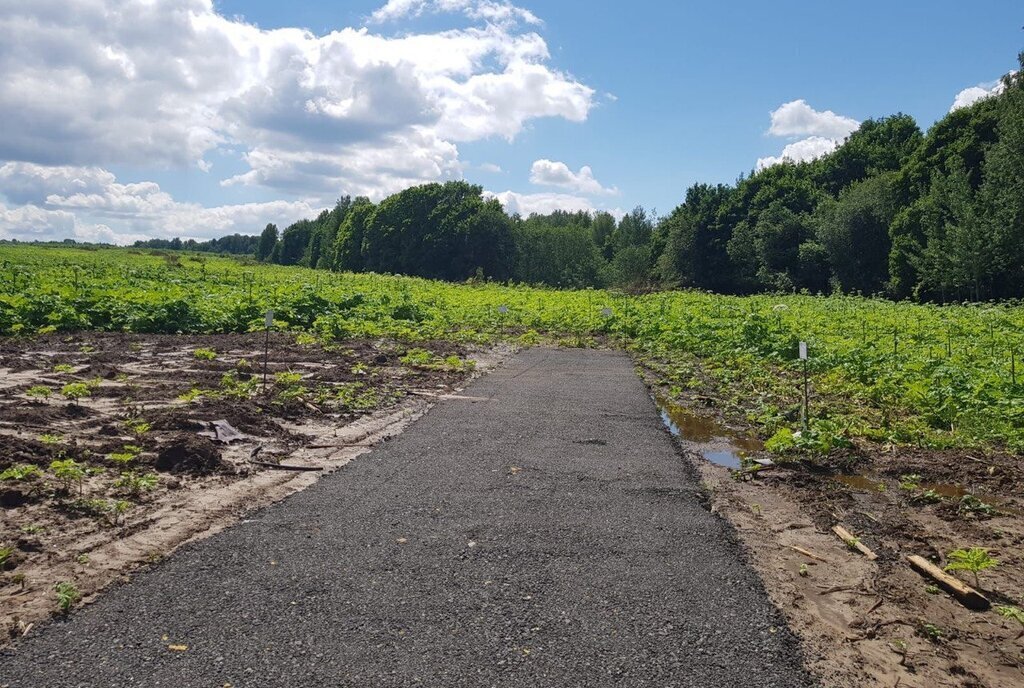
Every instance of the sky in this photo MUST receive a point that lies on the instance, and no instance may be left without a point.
(129, 119)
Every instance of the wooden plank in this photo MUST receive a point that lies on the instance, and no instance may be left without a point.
(807, 553)
(968, 596)
(852, 541)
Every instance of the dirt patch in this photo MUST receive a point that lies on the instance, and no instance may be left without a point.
(136, 477)
(190, 454)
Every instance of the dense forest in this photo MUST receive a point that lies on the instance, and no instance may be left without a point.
(936, 215)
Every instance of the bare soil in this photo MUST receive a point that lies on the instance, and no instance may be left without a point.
(149, 414)
(879, 623)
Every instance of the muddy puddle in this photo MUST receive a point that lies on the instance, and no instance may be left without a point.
(716, 442)
(946, 491)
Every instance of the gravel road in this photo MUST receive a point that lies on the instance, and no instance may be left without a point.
(541, 529)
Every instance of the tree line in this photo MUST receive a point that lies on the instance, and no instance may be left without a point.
(936, 215)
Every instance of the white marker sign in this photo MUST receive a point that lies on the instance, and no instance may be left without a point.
(270, 319)
(803, 351)
(503, 309)
(606, 312)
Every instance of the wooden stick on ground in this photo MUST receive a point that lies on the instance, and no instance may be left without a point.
(851, 541)
(807, 553)
(968, 596)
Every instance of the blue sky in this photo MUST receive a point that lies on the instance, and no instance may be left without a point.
(199, 119)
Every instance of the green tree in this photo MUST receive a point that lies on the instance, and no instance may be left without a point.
(268, 239)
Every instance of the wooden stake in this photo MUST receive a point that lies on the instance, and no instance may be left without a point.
(807, 553)
(852, 541)
(967, 596)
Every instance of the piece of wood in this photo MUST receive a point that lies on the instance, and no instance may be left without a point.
(807, 553)
(852, 541)
(968, 596)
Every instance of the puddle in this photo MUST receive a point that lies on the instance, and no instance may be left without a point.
(948, 491)
(717, 443)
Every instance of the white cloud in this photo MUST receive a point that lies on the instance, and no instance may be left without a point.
(90, 84)
(552, 173)
(497, 11)
(970, 96)
(797, 118)
(491, 168)
(821, 132)
(805, 150)
(544, 203)
(91, 205)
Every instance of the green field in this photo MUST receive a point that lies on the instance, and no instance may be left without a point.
(901, 373)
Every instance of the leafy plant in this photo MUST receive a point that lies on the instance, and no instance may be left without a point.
(38, 392)
(135, 484)
(192, 395)
(63, 368)
(129, 453)
(910, 481)
(205, 354)
(930, 631)
(67, 596)
(138, 426)
(73, 391)
(68, 472)
(49, 438)
(974, 560)
(969, 504)
(21, 472)
(5, 556)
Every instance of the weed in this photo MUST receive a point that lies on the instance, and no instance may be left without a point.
(129, 453)
(135, 484)
(930, 631)
(33, 528)
(63, 368)
(67, 596)
(21, 472)
(73, 391)
(1008, 611)
(969, 504)
(804, 571)
(68, 472)
(47, 438)
(974, 560)
(82, 559)
(5, 556)
(138, 426)
(191, 395)
(205, 354)
(928, 496)
(910, 481)
(38, 392)
(360, 369)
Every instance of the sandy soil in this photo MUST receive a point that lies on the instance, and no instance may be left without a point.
(148, 415)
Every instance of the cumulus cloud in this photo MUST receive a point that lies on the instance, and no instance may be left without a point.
(970, 96)
(552, 173)
(822, 132)
(91, 205)
(490, 10)
(90, 85)
(544, 203)
(491, 168)
(797, 118)
(804, 150)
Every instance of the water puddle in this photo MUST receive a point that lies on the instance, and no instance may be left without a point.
(947, 491)
(717, 443)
